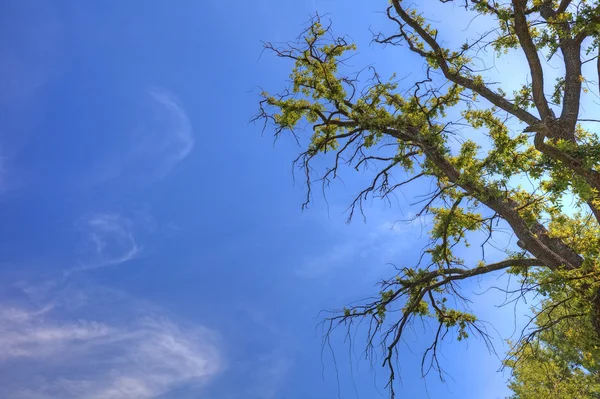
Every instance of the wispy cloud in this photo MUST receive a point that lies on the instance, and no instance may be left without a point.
(69, 339)
(374, 243)
(111, 241)
(52, 354)
(178, 139)
(162, 138)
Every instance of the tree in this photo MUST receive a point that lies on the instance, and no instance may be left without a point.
(530, 165)
(561, 362)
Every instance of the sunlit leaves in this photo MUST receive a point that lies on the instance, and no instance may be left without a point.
(486, 171)
(562, 362)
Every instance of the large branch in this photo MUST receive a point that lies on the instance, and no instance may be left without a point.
(591, 176)
(414, 291)
(455, 273)
(459, 79)
(570, 48)
(571, 51)
(535, 66)
(534, 236)
(562, 7)
(349, 126)
(565, 127)
(552, 251)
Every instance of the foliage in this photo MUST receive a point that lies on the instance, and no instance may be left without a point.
(526, 154)
(561, 362)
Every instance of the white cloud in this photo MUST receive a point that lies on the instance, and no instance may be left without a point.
(111, 240)
(174, 141)
(162, 137)
(112, 229)
(50, 354)
(88, 342)
(178, 140)
(373, 244)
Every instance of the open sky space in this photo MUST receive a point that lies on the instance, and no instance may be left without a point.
(152, 242)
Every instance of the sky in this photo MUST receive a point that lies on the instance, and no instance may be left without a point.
(153, 244)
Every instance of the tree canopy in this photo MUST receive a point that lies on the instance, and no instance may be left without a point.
(526, 161)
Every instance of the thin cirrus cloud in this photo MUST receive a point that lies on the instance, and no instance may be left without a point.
(162, 137)
(77, 343)
(178, 142)
(384, 243)
(45, 355)
(111, 241)
(68, 339)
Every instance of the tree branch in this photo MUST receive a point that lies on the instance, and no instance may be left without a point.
(459, 79)
(535, 66)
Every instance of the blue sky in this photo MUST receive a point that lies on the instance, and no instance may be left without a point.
(153, 244)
